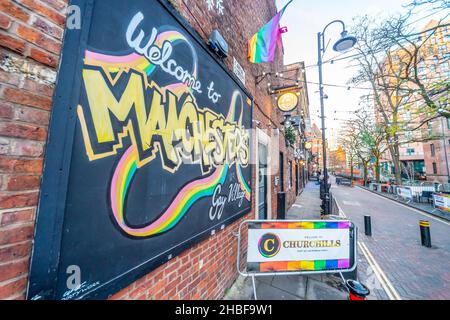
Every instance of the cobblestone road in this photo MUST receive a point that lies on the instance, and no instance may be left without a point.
(407, 270)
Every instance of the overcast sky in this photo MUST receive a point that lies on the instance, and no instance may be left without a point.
(304, 19)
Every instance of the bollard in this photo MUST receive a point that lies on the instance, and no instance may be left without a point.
(356, 290)
(425, 233)
(368, 226)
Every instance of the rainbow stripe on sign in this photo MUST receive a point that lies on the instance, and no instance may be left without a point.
(306, 225)
(304, 265)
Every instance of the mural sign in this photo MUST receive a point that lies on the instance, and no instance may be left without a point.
(300, 246)
(159, 157)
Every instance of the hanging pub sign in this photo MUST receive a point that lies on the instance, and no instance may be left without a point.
(300, 246)
(148, 152)
(287, 101)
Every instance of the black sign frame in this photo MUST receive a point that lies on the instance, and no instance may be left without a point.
(55, 182)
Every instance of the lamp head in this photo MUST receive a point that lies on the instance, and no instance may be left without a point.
(345, 42)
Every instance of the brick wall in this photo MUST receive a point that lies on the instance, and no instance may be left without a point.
(439, 127)
(30, 44)
(31, 32)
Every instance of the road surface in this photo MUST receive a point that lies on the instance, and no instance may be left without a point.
(400, 267)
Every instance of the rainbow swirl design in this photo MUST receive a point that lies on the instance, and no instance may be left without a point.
(230, 117)
(244, 186)
(186, 197)
(114, 63)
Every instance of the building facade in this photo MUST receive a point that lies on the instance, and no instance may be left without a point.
(422, 151)
(437, 151)
(436, 66)
(33, 35)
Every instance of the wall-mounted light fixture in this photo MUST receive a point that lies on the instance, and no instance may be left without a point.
(218, 44)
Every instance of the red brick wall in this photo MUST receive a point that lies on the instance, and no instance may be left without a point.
(439, 127)
(203, 272)
(30, 42)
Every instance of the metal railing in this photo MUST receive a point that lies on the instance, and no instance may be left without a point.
(335, 211)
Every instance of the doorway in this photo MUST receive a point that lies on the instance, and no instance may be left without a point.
(262, 181)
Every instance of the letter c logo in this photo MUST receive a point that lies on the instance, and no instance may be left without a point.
(269, 245)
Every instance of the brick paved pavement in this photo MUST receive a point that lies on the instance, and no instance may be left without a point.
(414, 271)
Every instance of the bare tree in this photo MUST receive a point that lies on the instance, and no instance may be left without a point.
(436, 4)
(409, 170)
(390, 58)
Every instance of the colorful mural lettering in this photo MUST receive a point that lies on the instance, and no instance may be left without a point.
(161, 148)
(218, 142)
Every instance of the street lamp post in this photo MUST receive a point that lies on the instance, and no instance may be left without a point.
(344, 43)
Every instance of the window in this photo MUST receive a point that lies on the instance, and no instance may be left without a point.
(443, 48)
(434, 168)
(433, 150)
(410, 151)
(444, 66)
(448, 123)
(447, 38)
(433, 40)
(430, 128)
(433, 68)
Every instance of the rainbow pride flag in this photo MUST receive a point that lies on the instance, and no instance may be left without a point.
(261, 47)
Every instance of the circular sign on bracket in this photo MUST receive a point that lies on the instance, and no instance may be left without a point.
(287, 102)
(308, 145)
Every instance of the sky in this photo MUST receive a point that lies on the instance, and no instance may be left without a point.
(304, 19)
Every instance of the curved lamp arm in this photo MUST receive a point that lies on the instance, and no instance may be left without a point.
(326, 27)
